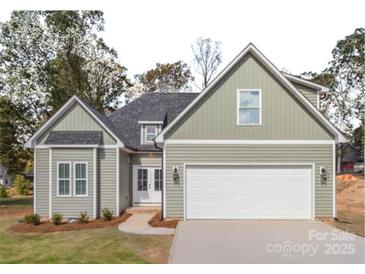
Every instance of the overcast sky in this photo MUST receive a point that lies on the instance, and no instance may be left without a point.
(295, 35)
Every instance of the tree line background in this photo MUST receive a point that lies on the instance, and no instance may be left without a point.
(48, 56)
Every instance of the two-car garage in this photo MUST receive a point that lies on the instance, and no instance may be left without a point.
(249, 191)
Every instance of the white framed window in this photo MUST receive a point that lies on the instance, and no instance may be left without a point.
(142, 179)
(158, 179)
(80, 179)
(249, 107)
(150, 133)
(64, 179)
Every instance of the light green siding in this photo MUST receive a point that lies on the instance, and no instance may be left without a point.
(42, 181)
(309, 93)
(147, 159)
(177, 155)
(72, 206)
(77, 119)
(283, 117)
(124, 180)
(107, 183)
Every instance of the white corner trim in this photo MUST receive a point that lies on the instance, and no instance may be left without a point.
(87, 179)
(164, 181)
(61, 111)
(150, 122)
(58, 179)
(334, 211)
(50, 183)
(117, 182)
(35, 181)
(94, 181)
(284, 81)
(239, 106)
(250, 142)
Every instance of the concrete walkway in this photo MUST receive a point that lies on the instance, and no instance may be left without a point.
(138, 224)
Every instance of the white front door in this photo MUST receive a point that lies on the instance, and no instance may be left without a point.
(147, 185)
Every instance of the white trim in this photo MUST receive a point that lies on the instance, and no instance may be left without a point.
(87, 179)
(251, 142)
(334, 212)
(66, 146)
(58, 179)
(164, 181)
(117, 182)
(61, 111)
(35, 181)
(94, 180)
(284, 81)
(239, 106)
(312, 165)
(150, 122)
(50, 184)
(318, 98)
(306, 82)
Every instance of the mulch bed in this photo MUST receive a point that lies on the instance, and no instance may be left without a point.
(47, 227)
(157, 221)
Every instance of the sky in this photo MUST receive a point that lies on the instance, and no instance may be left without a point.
(297, 36)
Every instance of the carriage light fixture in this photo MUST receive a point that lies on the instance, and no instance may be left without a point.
(323, 173)
(175, 174)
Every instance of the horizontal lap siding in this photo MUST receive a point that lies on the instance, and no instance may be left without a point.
(124, 180)
(107, 172)
(42, 182)
(72, 206)
(177, 155)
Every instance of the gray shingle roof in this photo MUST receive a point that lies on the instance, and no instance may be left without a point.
(74, 138)
(149, 107)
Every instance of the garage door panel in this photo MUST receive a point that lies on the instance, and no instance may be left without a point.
(237, 192)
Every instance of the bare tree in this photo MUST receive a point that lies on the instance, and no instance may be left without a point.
(207, 58)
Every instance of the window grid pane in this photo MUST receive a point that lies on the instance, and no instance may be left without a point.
(142, 180)
(249, 109)
(158, 179)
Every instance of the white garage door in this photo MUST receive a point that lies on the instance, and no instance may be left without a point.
(248, 192)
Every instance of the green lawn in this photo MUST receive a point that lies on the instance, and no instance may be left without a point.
(107, 245)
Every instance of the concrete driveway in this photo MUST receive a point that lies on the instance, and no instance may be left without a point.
(264, 241)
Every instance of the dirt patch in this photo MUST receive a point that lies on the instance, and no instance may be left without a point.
(47, 227)
(157, 221)
(14, 211)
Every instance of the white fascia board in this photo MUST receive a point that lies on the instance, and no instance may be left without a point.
(150, 122)
(31, 142)
(340, 138)
(250, 142)
(307, 83)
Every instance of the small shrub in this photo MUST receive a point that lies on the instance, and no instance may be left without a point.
(57, 218)
(84, 218)
(3, 192)
(32, 219)
(107, 214)
(21, 184)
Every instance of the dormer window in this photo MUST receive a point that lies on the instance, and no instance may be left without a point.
(149, 131)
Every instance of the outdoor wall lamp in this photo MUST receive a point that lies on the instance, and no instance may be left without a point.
(175, 174)
(323, 173)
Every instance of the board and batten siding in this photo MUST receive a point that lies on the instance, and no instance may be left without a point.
(124, 180)
(215, 115)
(71, 207)
(107, 172)
(42, 182)
(309, 93)
(178, 154)
(76, 118)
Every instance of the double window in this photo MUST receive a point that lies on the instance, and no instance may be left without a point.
(249, 107)
(64, 179)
